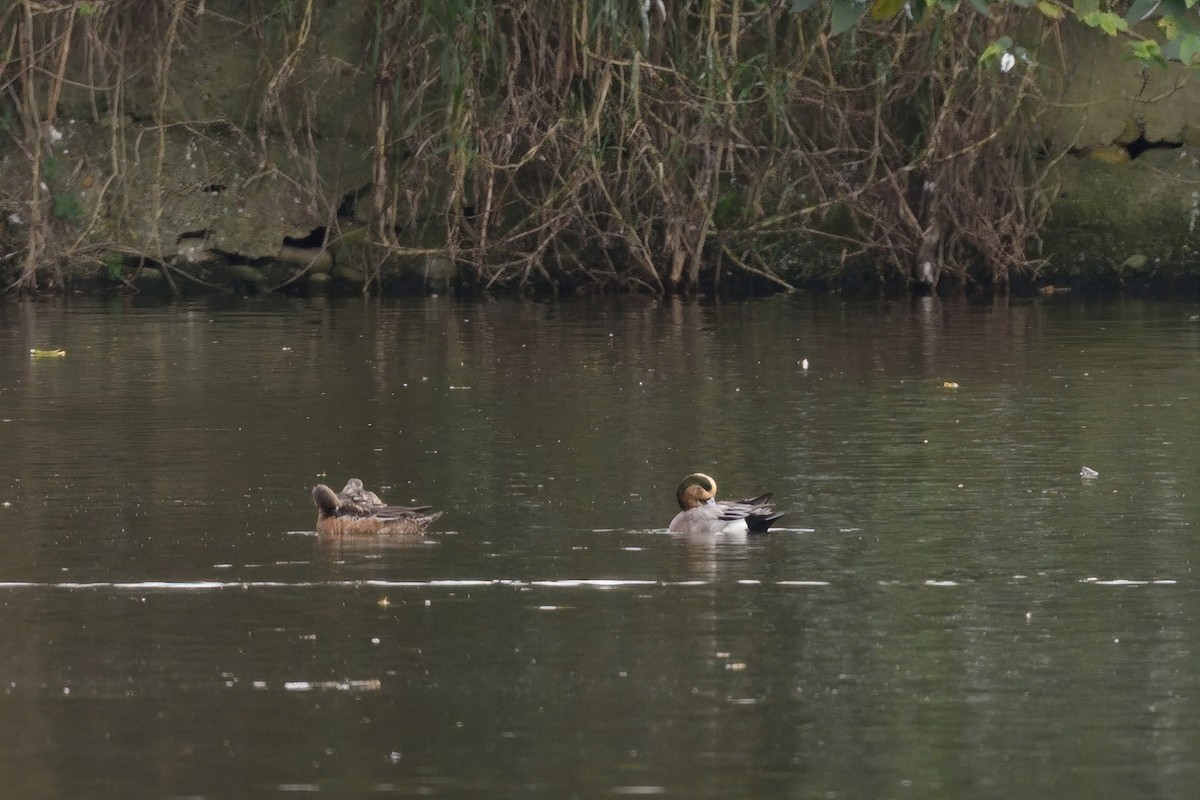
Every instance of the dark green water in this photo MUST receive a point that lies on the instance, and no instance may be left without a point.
(950, 610)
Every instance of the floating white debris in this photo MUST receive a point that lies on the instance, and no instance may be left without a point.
(372, 685)
(932, 582)
(640, 790)
(1129, 582)
(603, 583)
(183, 585)
(804, 363)
(1088, 472)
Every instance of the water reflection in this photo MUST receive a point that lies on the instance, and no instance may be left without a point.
(948, 597)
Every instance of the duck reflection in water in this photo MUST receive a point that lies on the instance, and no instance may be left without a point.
(701, 512)
(359, 512)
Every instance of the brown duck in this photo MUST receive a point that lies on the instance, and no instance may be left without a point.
(358, 512)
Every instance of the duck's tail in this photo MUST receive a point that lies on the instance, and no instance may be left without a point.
(761, 523)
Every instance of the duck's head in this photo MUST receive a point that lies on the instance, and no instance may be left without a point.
(353, 486)
(695, 490)
(327, 501)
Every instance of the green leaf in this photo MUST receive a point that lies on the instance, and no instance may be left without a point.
(1185, 21)
(1175, 8)
(1106, 21)
(1142, 10)
(844, 16)
(982, 7)
(886, 9)
(1051, 11)
(800, 6)
(1148, 52)
(1189, 48)
(995, 49)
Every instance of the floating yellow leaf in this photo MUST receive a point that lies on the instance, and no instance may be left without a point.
(950, 385)
(47, 353)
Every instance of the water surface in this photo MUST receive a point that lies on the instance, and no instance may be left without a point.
(949, 608)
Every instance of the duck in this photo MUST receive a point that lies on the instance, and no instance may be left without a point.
(701, 512)
(355, 492)
(340, 516)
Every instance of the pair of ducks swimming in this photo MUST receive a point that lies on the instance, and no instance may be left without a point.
(356, 510)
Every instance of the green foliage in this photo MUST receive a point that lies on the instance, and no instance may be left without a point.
(67, 207)
(1148, 51)
(883, 9)
(1189, 48)
(114, 267)
(1106, 21)
(844, 15)
(51, 169)
(996, 49)
(1177, 21)
(1051, 11)
(729, 209)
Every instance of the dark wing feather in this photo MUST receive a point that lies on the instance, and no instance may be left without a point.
(756, 511)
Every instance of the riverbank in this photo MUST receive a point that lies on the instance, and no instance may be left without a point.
(255, 154)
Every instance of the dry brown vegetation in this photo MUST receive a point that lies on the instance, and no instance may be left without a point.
(587, 144)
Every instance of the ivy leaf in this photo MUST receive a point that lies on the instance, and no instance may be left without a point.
(1142, 10)
(845, 14)
(1189, 48)
(1176, 8)
(1148, 52)
(1106, 21)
